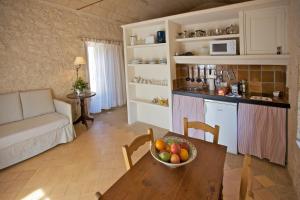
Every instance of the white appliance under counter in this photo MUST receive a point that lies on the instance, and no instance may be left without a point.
(223, 114)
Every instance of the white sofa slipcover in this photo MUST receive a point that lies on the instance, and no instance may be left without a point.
(45, 123)
(10, 108)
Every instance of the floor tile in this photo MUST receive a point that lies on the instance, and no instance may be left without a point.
(265, 181)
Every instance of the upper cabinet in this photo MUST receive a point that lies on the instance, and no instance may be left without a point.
(265, 31)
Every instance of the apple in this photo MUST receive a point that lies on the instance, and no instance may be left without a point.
(165, 156)
(175, 159)
(185, 146)
(175, 148)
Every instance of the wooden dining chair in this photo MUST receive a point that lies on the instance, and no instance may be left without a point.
(246, 192)
(200, 125)
(135, 144)
(98, 195)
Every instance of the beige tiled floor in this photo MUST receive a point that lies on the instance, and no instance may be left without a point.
(93, 162)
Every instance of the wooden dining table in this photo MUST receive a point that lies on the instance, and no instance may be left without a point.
(150, 179)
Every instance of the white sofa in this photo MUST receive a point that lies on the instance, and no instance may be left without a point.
(32, 122)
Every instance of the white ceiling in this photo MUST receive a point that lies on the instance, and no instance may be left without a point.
(128, 11)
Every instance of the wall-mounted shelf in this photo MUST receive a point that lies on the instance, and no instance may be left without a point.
(148, 85)
(208, 38)
(147, 45)
(147, 65)
(147, 102)
(236, 60)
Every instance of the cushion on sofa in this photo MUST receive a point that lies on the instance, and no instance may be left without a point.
(36, 102)
(16, 132)
(10, 108)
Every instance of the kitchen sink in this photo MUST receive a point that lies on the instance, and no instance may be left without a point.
(260, 98)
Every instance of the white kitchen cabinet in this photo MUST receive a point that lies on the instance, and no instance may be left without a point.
(265, 30)
(223, 114)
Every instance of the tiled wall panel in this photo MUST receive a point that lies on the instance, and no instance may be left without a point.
(261, 78)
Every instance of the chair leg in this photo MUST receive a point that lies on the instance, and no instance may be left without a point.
(221, 192)
(98, 195)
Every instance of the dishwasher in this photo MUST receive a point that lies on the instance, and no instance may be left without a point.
(223, 114)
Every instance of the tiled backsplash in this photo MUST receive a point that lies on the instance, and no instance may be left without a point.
(260, 78)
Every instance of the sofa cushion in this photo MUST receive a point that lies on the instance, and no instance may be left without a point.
(10, 107)
(16, 132)
(36, 102)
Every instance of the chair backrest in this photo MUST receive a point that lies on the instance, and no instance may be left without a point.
(246, 179)
(136, 143)
(200, 125)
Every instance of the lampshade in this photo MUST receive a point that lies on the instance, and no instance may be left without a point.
(79, 61)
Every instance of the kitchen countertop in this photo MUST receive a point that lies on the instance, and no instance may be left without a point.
(281, 102)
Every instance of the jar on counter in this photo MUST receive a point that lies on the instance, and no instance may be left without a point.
(243, 86)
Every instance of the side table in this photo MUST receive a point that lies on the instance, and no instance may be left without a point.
(83, 116)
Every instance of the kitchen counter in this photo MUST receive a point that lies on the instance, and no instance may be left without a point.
(212, 95)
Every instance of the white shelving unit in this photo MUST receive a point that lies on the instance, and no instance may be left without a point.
(147, 102)
(146, 45)
(147, 65)
(139, 96)
(147, 85)
(208, 38)
(234, 60)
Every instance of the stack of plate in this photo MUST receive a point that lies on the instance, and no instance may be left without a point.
(136, 61)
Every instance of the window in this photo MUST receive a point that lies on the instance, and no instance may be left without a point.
(106, 75)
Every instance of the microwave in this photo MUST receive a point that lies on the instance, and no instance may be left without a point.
(223, 47)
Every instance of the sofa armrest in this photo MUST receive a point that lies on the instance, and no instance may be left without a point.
(63, 108)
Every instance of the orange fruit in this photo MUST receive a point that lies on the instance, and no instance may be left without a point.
(184, 155)
(160, 144)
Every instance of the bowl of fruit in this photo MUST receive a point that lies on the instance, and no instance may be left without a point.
(173, 151)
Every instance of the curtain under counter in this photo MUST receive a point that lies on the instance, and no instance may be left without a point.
(262, 132)
(190, 107)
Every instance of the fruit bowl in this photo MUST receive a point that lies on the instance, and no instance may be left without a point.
(172, 140)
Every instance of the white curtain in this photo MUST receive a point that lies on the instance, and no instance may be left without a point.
(106, 72)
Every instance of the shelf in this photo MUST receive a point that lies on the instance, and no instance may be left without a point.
(148, 85)
(147, 102)
(208, 38)
(237, 60)
(147, 65)
(147, 45)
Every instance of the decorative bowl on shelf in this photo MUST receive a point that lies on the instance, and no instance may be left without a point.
(186, 156)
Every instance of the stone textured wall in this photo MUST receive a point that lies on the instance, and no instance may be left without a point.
(294, 89)
(39, 41)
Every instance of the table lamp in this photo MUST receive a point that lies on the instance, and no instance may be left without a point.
(78, 62)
